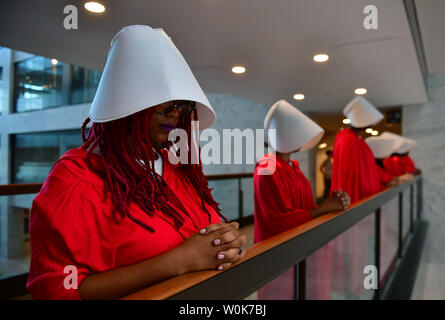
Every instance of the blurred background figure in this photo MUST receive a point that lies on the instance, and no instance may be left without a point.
(326, 170)
(283, 195)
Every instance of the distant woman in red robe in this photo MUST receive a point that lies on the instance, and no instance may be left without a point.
(115, 216)
(355, 171)
(382, 147)
(393, 165)
(399, 163)
(408, 164)
(283, 195)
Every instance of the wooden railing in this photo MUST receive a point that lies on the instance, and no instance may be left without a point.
(27, 188)
(243, 218)
(269, 258)
(22, 188)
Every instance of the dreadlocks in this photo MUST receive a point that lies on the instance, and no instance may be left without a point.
(127, 168)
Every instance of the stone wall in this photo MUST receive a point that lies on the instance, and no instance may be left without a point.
(426, 124)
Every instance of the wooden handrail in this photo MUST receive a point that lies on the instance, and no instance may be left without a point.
(21, 188)
(27, 188)
(174, 286)
(229, 176)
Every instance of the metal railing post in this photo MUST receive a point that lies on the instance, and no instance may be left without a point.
(377, 250)
(400, 224)
(411, 208)
(240, 201)
(300, 280)
(419, 198)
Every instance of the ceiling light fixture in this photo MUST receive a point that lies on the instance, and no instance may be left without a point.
(238, 69)
(95, 7)
(375, 132)
(299, 96)
(360, 91)
(54, 61)
(321, 57)
(322, 146)
(346, 121)
(369, 130)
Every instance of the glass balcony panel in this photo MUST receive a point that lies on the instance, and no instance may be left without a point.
(336, 271)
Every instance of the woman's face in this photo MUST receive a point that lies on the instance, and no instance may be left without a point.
(162, 124)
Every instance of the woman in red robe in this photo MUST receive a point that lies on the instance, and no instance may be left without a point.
(115, 216)
(399, 163)
(283, 195)
(355, 172)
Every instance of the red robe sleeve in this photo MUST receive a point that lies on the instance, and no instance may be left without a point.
(393, 165)
(384, 176)
(408, 165)
(275, 211)
(67, 228)
(355, 170)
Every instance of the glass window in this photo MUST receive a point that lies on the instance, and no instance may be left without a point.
(84, 83)
(35, 153)
(38, 84)
(41, 83)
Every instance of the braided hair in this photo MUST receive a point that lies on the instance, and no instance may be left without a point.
(127, 168)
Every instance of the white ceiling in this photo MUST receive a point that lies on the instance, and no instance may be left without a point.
(275, 40)
(431, 14)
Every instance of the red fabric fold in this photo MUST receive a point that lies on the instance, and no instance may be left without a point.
(283, 200)
(72, 224)
(355, 172)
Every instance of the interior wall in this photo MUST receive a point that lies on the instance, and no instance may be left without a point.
(426, 124)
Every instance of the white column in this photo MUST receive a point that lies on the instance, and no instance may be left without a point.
(11, 219)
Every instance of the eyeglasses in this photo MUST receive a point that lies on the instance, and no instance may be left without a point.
(184, 108)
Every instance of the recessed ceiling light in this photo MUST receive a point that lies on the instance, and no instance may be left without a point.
(54, 61)
(322, 146)
(299, 96)
(375, 132)
(238, 69)
(346, 121)
(95, 7)
(360, 91)
(369, 130)
(321, 57)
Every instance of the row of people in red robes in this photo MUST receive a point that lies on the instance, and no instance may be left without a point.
(116, 216)
(284, 198)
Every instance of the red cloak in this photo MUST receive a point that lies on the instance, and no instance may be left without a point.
(356, 172)
(72, 224)
(393, 165)
(283, 200)
(385, 175)
(408, 164)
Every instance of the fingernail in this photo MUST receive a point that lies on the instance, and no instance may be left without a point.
(220, 256)
(202, 231)
(220, 267)
(217, 242)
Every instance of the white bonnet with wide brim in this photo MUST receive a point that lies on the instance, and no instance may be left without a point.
(381, 147)
(144, 69)
(362, 113)
(404, 144)
(293, 129)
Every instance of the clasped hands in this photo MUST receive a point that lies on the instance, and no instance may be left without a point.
(217, 246)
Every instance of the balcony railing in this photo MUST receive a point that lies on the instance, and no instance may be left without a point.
(269, 258)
